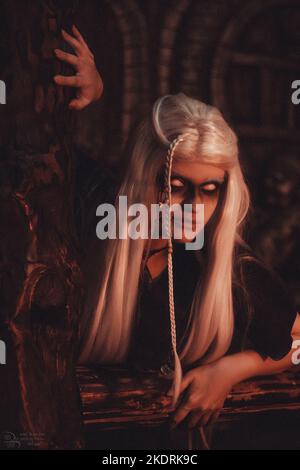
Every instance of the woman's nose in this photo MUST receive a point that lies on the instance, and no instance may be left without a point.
(194, 198)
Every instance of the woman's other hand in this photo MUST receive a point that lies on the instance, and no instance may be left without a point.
(87, 80)
(206, 389)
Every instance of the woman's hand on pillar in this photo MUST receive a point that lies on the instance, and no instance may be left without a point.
(87, 79)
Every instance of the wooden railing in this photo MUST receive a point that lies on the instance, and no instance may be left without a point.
(115, 400)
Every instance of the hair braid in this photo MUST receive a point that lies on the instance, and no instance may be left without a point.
(177, 377)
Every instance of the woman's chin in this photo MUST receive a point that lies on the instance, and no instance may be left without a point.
(185, 238)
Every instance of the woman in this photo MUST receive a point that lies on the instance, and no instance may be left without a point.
(234, 319)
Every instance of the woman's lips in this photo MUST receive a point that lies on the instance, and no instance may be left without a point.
(190, 224)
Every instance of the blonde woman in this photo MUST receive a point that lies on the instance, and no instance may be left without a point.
(211, 317)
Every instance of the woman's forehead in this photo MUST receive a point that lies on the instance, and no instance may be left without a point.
(197, 172)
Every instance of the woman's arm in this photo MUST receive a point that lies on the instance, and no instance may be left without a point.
(205, 388)
(249, 363)
(87, 79)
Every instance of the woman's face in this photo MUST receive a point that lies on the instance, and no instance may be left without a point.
(195, 183)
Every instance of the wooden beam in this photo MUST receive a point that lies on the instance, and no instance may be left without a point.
(115, 398)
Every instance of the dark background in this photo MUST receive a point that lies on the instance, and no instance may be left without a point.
(239, 55)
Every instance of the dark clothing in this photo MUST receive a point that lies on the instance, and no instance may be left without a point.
(151, 346)
(264, 313)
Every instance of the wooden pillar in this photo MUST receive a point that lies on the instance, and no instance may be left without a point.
(41, 290)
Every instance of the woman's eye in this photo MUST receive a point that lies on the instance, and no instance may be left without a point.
(210, 188)
(177, 184)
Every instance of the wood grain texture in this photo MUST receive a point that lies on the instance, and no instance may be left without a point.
(115, 398)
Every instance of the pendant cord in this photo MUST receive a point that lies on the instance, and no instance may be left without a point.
(168, 201)
(177, 376)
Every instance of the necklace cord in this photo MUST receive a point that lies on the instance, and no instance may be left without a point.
(177, 376)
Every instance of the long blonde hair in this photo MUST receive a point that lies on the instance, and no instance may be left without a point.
(108, 325)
